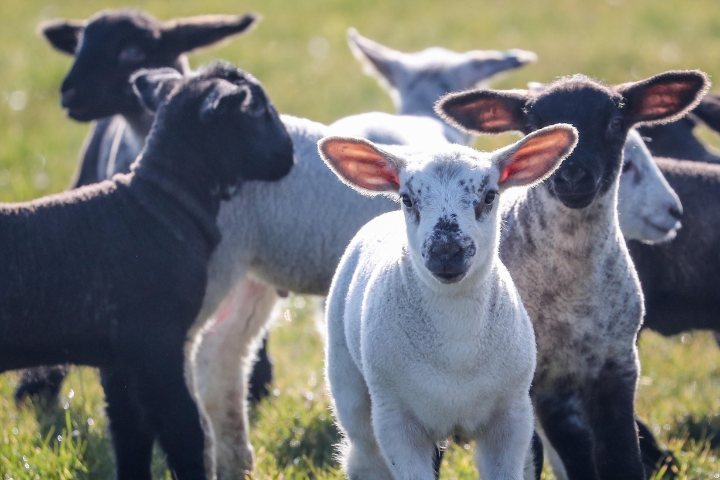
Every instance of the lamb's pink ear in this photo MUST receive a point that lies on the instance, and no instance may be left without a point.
(484, 111)
(664, 97)
(361, 164)
(535, 157)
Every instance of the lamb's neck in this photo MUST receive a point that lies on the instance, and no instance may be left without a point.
(139, 123)
(544, 221)
(461, 307)
(179, 175)
(452, 134)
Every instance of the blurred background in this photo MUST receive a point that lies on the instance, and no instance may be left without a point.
(299, 52)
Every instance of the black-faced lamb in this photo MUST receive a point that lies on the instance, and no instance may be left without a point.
(583, 295)
(427, 335)
(678, 140)
(114, 274)
(107, 49)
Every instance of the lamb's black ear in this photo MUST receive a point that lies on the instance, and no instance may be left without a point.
(485, 111)
(152, 87)
(186, 34)
(664, 97)
(226, 97)
(63, 35)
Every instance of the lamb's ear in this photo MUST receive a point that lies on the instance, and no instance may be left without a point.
(226, 97)
(63, 35)
(377, 60)
(187, 34)
(536, 156)
(361, 164)
(709, 111)
(485, 111)
(664, 97)
(152, 87)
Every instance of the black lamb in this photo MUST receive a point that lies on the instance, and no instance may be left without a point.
(113, 274)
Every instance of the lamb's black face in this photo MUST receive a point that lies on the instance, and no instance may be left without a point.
(109, 49)
(230, 119)
(112, 45)
(595, 111)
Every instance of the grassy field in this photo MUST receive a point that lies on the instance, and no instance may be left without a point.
(299, 53)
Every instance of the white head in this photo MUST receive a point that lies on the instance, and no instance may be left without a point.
(648, 207)
(417, 80)
(449, 194)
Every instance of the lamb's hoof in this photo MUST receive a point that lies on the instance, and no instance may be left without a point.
(261, 377)
(237, 463)
(42, 383)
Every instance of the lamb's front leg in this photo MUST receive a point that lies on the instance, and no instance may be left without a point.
(220, 363)
(611, 412)
(405, 444)
(503, 445)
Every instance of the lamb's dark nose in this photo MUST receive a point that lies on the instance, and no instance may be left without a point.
(68, 96)
(676, 212)
(445, 250)
(447, 260)
(573, 175)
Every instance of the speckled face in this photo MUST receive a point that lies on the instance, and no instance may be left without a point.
(450, 207)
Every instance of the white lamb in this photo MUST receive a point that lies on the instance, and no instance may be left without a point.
(427, 335)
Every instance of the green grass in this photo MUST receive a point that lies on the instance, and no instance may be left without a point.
(615, 40)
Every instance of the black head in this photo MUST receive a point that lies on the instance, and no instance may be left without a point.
(220, 115)
(112, 45)
(602, 115)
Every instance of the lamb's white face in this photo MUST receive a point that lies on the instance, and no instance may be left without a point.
(648, 207)
(449, 200)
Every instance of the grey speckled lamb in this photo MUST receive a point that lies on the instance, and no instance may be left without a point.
(583, 295)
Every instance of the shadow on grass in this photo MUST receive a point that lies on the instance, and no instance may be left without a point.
(704, 429)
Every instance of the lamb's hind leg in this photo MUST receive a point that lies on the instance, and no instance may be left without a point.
(41, 382)
(503, 446)
(224, 351)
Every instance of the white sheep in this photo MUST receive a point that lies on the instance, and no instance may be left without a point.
(649, 210)
(427, 335)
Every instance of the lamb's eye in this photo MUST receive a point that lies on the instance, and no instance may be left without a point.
(626, 166)
(406, 200)
(131, 54)
(616, 124)
(490, 196)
